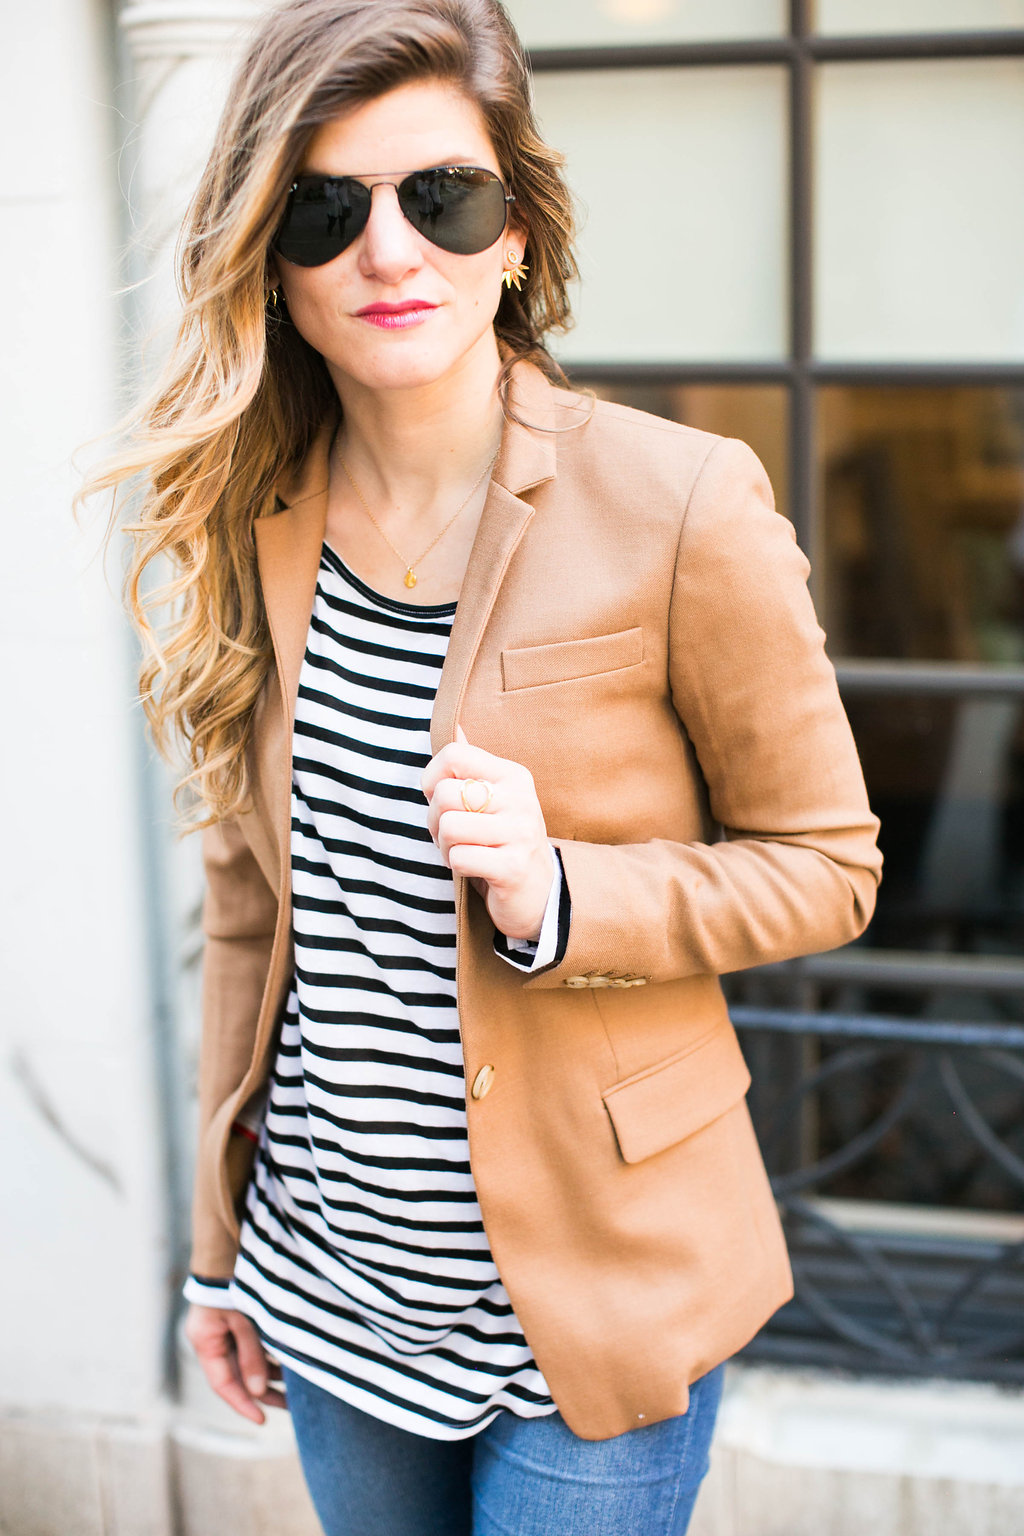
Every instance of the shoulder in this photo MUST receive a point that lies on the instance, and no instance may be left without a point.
(630, 466)
(585, 425)
(599, 422)
(639, 453)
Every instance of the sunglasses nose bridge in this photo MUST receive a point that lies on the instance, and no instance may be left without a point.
(388, 238)
(411, 190)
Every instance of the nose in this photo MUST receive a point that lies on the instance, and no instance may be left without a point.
(390, 248)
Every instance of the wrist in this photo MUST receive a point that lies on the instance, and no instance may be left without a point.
(528, 928)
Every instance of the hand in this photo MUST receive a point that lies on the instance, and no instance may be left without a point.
(503, 849)
(233, 1360)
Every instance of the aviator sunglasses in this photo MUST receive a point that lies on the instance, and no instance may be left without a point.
(460, 208)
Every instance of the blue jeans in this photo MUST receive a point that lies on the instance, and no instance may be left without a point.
(517, 1477)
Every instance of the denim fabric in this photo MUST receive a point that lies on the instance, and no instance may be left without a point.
(518, 1477)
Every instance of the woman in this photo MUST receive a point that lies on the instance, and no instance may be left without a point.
(512, 729)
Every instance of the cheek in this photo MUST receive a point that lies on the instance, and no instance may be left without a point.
(486, 285)
(313, 301)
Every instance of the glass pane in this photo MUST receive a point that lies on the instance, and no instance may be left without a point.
(757, 413)
(927, 1156)
(946, 777)
(681, 178)
(588, 23)
(923, 528)
(847, 17)
(919, 211)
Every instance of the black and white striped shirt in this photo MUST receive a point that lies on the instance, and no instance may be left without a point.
(363, 1257)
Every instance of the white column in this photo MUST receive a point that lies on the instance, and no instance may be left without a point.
(82, 1209)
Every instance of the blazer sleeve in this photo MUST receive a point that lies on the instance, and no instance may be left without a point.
(239, 919)
(797, 864)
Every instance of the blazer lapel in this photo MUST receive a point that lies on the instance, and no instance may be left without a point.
(288, 546)
(525, 459)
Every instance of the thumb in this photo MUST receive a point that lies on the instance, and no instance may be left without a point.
(460, 734)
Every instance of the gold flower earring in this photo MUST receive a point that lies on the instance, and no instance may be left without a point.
(515, 272)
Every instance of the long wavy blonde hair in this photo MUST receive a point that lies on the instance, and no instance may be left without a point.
(242, 394)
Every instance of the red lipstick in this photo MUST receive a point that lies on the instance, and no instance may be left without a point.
(393, 317)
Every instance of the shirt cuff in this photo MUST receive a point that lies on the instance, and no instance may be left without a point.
(548, 948)
(202, 1292)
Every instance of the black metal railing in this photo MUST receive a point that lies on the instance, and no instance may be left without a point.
(896, 1152)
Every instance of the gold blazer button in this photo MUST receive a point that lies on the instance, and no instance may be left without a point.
(482, 1082)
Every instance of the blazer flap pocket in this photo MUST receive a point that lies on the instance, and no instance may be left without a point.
(664, 1104)
(530, 665)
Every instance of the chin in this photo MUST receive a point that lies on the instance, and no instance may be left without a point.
(393, 374)
(414, 366)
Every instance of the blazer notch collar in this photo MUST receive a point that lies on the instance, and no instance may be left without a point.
(538, 414)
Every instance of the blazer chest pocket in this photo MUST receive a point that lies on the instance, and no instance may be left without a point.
(670, 1101)
(531, 666)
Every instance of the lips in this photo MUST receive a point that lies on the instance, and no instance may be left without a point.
(395, 309)
(396, 316)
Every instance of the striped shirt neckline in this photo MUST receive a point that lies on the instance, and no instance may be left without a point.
(333, 561)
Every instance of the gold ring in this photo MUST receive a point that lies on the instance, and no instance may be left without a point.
(485, 785)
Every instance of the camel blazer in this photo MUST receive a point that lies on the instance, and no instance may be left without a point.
(634, 626)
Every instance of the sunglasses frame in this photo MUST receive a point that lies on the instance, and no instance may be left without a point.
(385, 181)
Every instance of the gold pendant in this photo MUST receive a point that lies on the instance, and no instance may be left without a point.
(409, 578)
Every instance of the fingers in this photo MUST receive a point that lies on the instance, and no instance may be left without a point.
(512, 796)
(448, 806)
(495, 864)
(233, 1360)
(461, 760)
(252, 1361)
(448, 796)
(468, 827)
(501, 847)
(517, 884)
(511, 820)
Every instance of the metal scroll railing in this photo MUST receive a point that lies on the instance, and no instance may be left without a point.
(896, 1152)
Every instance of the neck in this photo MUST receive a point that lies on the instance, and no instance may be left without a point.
(413, 447)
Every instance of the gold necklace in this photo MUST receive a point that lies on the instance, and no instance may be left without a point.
(410, 572)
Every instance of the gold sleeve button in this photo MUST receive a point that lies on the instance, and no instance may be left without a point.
(605, 979)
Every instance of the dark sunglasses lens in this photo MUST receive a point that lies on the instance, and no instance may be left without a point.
(459, 208)
(324, 215)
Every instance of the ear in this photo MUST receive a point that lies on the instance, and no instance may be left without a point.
(513, 254)
(514, 239)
